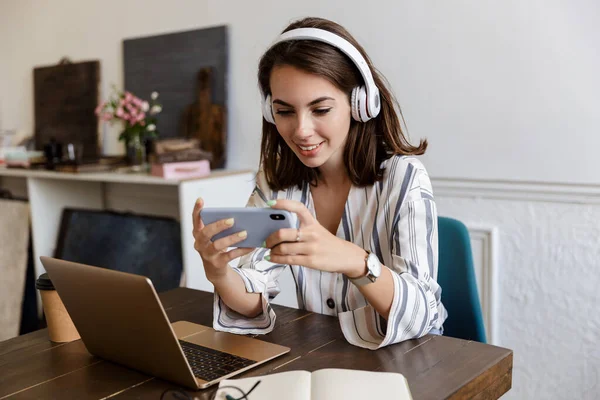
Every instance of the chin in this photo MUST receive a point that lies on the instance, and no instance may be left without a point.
(311, 163)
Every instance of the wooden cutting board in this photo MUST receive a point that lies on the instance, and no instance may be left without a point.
(206, 121)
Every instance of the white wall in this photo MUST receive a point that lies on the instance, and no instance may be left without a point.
(510, 86)
(505, 91)
(547, 290)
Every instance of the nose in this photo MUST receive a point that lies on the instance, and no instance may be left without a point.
(304, 128)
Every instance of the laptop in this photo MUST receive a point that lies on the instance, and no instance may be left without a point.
(121, 319)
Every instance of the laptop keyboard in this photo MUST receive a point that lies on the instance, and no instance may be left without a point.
(209, 364)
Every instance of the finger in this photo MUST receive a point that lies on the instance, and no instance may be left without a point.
(196, 218)
(303, 260)
(238, 252)
(231, 255)
(294, 206)
(210, 230)
(294, 248)
(229, 241)
(281, 236)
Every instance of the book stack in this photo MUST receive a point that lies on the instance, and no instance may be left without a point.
(180, 159)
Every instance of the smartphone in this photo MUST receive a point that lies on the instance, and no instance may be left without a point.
(260, 223)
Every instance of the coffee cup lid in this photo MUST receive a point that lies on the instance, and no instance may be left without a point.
(43, 282)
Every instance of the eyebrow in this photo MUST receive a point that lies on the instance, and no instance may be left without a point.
(312, 103)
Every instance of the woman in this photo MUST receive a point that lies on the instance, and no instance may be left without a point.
(333, 152)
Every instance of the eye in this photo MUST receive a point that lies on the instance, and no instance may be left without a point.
(283, 112)
(322, 111)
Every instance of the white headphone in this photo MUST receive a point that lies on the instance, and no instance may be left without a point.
(364, 100)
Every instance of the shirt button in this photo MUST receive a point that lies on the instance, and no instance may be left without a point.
(330, 303)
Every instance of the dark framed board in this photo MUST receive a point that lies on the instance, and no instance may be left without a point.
(141, 244)
(65, 97)
(170, 65)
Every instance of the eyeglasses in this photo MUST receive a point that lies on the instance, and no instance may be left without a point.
(178, 394)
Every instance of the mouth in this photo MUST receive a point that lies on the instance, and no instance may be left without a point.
(311, 150)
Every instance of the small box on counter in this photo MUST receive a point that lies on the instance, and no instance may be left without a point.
(182, 170)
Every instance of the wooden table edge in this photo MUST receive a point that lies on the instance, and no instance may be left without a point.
(501, 369)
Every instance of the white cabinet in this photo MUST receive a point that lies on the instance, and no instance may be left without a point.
(50, 192)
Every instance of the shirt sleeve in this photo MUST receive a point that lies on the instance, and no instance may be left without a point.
(413, 263)
(258, 275)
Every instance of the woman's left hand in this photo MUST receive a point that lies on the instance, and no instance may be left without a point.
(313, 246)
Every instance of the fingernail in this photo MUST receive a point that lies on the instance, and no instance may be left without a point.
(229, 222)
(268, 258)
(243, 234)
(271, 203)
(264, 244)
(198, 200)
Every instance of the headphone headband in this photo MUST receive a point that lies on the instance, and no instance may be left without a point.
(321, 35)
(365, 100)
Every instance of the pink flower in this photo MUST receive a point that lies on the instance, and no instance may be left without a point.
(129, 108)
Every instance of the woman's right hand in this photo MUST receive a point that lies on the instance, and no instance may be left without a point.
(214, 254)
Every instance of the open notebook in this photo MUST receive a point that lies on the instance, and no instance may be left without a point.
(324, 384)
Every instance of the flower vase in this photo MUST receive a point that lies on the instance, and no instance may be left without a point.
(136, 154)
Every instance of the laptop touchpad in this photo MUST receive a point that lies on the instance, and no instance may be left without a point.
(249, 348)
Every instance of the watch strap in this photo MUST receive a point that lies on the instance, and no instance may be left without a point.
(365, 279)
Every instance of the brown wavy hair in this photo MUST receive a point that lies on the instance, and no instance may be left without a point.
(368, 143)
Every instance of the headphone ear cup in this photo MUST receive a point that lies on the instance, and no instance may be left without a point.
(358, 101)
(354, 104)
(361, 104)
(267, 110)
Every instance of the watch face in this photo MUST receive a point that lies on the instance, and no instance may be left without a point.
(374, 266)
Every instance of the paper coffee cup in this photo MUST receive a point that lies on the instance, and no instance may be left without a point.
(60, 325)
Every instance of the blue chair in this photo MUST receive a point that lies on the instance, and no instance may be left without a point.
(456, 276)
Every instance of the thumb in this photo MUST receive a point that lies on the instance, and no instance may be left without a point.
(196, 215)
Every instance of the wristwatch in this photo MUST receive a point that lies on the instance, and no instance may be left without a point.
(373, 270)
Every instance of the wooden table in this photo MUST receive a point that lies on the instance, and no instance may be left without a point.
(436, 366)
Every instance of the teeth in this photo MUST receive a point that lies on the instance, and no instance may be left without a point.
(309, 148)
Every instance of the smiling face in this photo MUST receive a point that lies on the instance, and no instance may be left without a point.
(311, 114)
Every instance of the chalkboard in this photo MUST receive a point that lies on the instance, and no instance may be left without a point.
(139, 244)
(169, 64)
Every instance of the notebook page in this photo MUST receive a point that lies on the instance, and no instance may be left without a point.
(291, 385)
(349, 384)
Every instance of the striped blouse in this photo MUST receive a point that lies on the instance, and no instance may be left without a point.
(396, 219)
